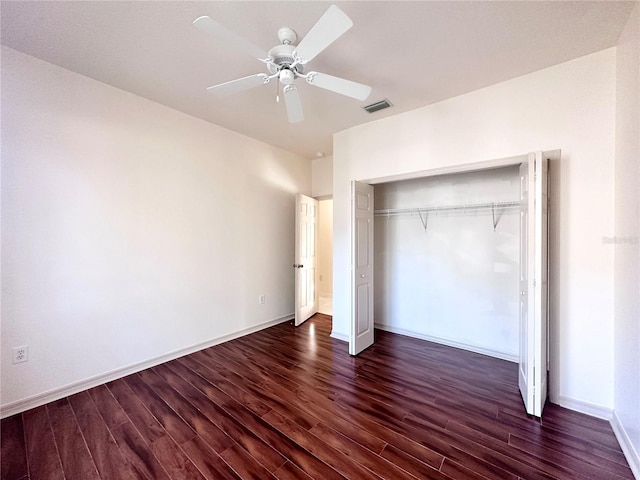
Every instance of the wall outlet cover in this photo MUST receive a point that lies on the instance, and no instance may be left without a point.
(20, 354)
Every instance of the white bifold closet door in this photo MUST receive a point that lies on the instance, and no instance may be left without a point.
(533, 363)
(361, 335)
(306, 258)
(532, 370)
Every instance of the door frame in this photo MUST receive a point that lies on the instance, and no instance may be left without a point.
(552, 155)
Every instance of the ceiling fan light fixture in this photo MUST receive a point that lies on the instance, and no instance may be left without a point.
(286, 76)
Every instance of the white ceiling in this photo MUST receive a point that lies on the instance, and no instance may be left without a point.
(414, 53)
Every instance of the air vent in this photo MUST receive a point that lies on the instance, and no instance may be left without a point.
(381, 105)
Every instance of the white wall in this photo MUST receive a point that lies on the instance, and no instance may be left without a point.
(325, 246)
(569, 106)
(627, 233)
(457, 281)
(322, 177)
(130, 231)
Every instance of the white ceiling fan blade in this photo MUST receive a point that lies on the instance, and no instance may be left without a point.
(293, 103)
(339, 85)
(327, 30)
(239, 85)
(224, 37)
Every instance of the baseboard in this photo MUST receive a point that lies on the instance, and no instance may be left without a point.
(587, 408)
(449, 343)
(630, 453)
(339, 336)
(76, 387)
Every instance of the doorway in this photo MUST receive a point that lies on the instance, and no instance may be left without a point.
(313, 259)
(325, 256)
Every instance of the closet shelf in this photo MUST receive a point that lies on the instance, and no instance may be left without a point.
(497, 209)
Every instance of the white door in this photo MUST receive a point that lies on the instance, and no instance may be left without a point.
(361, 333)
(532, 371)
(306, 258)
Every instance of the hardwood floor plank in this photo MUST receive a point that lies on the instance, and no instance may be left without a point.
(74, 454)
(373, 461)
(148, 426)
(268, 393)
(596, 433)
(459, 472)
(291, 450)
(318, 448)
(474, 428)
(245, 437)
(288, 402)
(221, 376)
(218, 440)
(492, 452)
(379, 445)
(103, 448)
(358, 434)
(174, 460)
(138, 453)
(410, 463)
(560, 440)
(289, 471)
(111, 411)
(244, 464)
(210, 464)
(42, 452)
(13, 451)
(350, 429)
(580, 463)
(169, 419)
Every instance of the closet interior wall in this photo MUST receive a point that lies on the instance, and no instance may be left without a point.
(448, 276)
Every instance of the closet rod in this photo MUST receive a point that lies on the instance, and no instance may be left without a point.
(447, 208)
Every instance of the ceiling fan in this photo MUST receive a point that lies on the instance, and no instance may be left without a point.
(286, 61)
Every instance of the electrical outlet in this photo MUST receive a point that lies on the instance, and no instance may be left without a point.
(261, 299)
(20, 354)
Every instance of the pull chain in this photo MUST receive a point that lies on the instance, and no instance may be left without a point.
(277, 90)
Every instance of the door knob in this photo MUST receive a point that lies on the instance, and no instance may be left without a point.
(522, 293)
(300, 266)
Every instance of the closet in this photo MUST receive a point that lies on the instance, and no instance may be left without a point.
(447, 259)
(453, 277)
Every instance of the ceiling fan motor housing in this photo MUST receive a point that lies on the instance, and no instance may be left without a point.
(282, 56)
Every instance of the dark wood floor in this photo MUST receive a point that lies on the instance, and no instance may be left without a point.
(291, 403)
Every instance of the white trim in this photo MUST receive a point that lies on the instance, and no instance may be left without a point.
(339, 336)
(628, 449)
(449, 343)
(76, 387)
(587, 408)
(467, 167)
